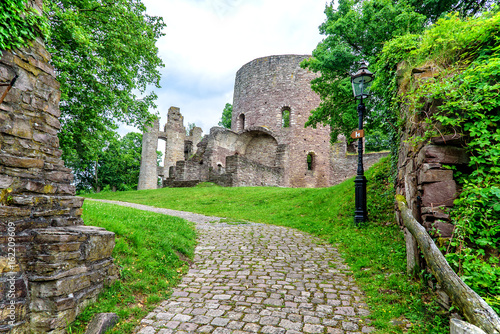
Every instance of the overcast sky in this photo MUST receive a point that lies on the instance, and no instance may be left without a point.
(207, 41)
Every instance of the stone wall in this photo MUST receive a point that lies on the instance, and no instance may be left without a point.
(175, 136)
(51, 265)
(346, 166)
(429, 187)
(262, 149)
(248, 173)
(178, 147)
(148, 174)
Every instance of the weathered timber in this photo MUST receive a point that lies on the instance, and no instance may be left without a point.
(474, 308)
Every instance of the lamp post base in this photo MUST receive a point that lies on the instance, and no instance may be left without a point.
(360, 213)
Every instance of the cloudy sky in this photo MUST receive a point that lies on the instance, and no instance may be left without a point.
(207, 41)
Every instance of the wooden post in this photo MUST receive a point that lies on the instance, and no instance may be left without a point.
(475, 309)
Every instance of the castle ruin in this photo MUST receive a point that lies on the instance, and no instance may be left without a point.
(267, 144)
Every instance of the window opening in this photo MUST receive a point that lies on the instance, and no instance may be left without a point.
(285, 118)
(310, 160)
(242, 121)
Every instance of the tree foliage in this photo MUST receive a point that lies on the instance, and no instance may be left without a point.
(116, 166)
(227, 114)
(395, 37)
(19, 24)
(104, 54)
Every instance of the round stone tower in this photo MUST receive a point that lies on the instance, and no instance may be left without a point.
(275, 92)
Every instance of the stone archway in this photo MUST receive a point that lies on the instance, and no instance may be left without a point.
(259, 146)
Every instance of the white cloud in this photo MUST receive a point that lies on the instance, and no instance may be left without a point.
(207, 41)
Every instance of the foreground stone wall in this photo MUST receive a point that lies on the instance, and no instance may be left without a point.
(429, 187)
(51, 265)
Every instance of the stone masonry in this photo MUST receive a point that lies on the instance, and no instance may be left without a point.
(51, 266)
(267, 87)
(178, 147)
(428, 186)
(268, 144)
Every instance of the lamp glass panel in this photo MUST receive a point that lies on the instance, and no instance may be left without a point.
(361, 86)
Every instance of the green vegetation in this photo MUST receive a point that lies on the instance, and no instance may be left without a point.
(375, 252)
(285, 118)
(459, 39)
(104, 54)
(150, 252)
(116, 167)
(356, 31)
(227, 115)
(466, 53)
(19, 25)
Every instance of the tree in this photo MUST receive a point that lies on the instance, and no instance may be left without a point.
(116, 167)
(189, 128)
(104, 54)
(227, 114)
(356, 31)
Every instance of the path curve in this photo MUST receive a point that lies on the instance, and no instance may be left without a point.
(258, 278)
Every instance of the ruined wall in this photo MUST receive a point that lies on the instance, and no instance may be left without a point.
(220, 143)
(50, 265)
(248, 173)
(263, 89)
(195, 136)
(175, 135)
(148, 174)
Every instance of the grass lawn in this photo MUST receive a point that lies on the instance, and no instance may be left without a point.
(375, 251)
(150, 249)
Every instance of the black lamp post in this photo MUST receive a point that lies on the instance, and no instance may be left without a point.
(361, 82)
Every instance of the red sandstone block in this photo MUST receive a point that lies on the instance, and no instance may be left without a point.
(439, 193)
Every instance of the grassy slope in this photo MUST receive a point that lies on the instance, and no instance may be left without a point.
(147, 251)
(376, 251)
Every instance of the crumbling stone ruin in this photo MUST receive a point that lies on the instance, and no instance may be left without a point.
(267, 144)
(178, 147)
(51, 265)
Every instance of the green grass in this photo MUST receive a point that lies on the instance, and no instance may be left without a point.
(150, 252)
(375, 252)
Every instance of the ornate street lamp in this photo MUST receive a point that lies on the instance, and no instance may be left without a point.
(361, 82)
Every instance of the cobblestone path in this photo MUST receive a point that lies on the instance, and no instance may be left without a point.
(257, 278)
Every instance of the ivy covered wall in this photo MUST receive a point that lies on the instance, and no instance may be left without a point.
(444, 88)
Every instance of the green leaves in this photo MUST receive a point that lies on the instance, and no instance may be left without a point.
(105, 57)
(355, 31)
(116, 166)
(227, 115)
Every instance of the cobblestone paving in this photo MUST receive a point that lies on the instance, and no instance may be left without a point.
(256, 278)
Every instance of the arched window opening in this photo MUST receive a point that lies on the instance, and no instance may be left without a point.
(242, 122)
(310, 161)
(219, 168)
(285, 117)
